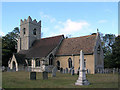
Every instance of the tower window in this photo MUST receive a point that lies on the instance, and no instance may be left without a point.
(34, 31)
(24, 31)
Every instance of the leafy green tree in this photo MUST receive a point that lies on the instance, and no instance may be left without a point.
(107, 41)
(115, 56)
(9, 42)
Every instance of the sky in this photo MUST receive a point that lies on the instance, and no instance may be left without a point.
(68, 18)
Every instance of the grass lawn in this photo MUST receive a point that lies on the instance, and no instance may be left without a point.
(21, 80)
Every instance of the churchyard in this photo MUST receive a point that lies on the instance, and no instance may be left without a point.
(21, 79)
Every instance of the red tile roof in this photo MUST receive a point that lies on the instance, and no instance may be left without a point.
(71, 46)
(42, 47)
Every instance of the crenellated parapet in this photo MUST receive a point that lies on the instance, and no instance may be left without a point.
(29, 20)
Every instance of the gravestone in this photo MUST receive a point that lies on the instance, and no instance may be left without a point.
(32, 75)
(72, 73)
(66, 70)
(113, 70)
(61, 70)
(70, 70)
(82, 75)
(98, 71)
(54, 70)
(45, 75)
(103, 71)
(87, 71)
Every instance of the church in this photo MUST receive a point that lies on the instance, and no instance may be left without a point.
(34, 51)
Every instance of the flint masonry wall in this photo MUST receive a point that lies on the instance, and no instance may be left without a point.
(26, 39)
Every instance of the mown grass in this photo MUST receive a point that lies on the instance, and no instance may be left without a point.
(21, 80)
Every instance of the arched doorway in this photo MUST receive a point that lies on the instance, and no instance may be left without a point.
(51, 59)
(58, 65)
(14, 65)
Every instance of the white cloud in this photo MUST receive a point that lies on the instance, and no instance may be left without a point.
(47, 17)
(70, 26)
(102, 21)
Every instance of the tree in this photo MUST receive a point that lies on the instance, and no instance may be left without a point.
(116, 52)
(9, 42)
(107, 41)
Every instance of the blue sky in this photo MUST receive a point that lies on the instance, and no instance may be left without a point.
(68, 18)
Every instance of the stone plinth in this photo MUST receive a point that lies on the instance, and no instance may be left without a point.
(82, 72)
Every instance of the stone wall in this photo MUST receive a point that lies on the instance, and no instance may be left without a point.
(26, 40)
(11, 63)
(99, 57)
(75, 61)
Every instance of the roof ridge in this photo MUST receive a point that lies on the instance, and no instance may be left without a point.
(81, 36)
(52, 37)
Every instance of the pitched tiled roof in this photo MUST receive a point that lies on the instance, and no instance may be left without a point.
(71, 46)
(42, 47)
(20, 58)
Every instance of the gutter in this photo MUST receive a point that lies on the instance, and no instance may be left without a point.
(73, 54)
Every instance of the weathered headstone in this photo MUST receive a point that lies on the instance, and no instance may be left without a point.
(45, 75)
(66, 70)
(113, 70)
(103, 71)
(32, 75)
(54, 70)
(82, 75)
(116, 70)
(61, 70)
(119, 71)
(87, 71)
(98, 70)
(72, 73)
(70, 70)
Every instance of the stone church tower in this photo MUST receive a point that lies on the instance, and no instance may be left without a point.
(29, 32)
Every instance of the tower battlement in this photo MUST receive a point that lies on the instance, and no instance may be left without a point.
(30, 30)
(29, 20)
